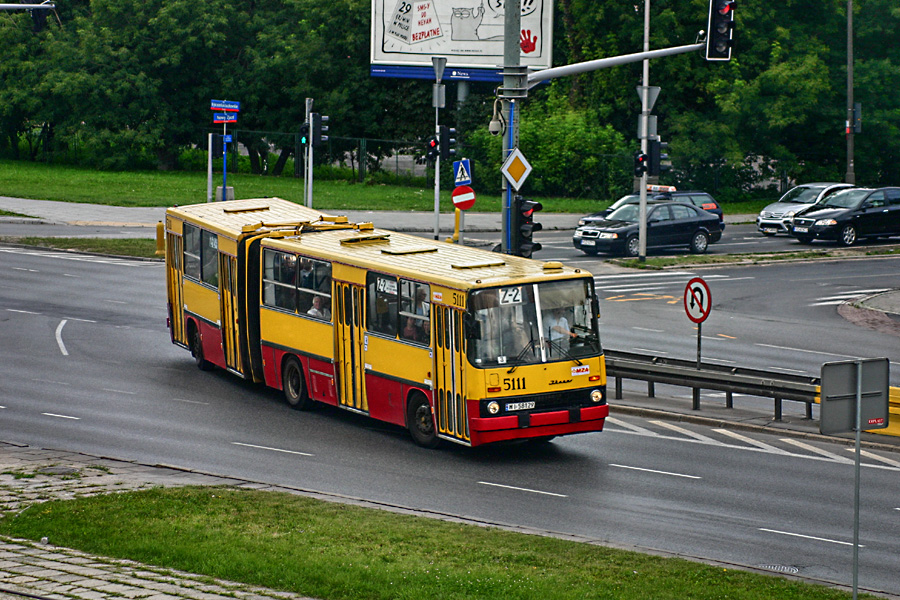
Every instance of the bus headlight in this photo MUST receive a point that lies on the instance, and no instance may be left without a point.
(493, 407)
(597, 396)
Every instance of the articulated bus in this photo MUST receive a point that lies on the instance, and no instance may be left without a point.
(452, 342)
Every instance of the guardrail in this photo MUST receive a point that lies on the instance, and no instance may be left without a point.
(731, 380)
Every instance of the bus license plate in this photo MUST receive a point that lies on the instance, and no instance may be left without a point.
(519, 406)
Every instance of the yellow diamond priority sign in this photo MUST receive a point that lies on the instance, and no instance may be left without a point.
(516, 169)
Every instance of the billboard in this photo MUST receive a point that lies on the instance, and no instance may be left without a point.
(468, 33)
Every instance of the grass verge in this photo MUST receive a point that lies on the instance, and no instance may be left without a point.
(41, 181)
(138, 248)
(335, 551)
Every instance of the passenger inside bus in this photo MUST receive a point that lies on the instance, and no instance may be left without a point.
(319, 310)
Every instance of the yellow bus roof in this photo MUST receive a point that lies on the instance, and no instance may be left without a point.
(334, 238)
(234, 218)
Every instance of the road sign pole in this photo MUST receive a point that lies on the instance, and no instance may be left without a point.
(859, 383)
(696, 395)
(224, 161)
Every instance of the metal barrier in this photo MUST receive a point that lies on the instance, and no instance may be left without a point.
(731, 380)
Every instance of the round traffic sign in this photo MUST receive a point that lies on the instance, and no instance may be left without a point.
(463, 197)
(697, 300)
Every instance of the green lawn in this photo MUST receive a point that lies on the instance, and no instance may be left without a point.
(40, 181)
(335, 551)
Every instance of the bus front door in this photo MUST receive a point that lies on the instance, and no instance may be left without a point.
(349, 361)
(451, 418)
(175, 283)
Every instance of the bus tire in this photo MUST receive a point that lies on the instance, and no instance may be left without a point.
(420, 422)
(293, 384)
(197, 349)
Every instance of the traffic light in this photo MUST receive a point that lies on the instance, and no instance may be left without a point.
(720, 38)
(447, 142)
(524, 226)
(317, 128)
(304, 134)
(656, 157)
(38, 19)
(640, 163)
(432, 148)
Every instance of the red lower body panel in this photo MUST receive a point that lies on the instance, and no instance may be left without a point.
(487, 430)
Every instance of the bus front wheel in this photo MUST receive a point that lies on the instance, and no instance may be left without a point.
(294, 387)
(421, 422)
(197, 350)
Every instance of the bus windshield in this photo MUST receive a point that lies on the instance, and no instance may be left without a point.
(532, 323)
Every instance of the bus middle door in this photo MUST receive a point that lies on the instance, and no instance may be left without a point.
(349, 356)
(451, 418)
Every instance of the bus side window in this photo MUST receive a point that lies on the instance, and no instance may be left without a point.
(210, 258)
(415, 311)
(192, 251)
(314, 282)
(279, 277)
(382, 307)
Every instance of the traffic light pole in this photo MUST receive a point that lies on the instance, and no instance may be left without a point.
(308, 160)
(645, 118)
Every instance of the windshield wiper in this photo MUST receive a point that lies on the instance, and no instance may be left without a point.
(559, 348)
(529, 346)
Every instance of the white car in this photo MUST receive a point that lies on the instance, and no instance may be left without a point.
(776, 217)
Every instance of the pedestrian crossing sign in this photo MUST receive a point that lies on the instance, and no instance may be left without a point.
(462, 172)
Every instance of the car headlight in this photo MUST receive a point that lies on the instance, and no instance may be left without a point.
(790, 214)
(493, 407)
(581, 222)
(578, 233)
(607, 235)
(826, 222)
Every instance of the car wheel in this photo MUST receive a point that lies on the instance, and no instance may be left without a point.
(420, 422)
(295, 393)
(632, 246)
(848, 235)
(804, 239)
(700, 242)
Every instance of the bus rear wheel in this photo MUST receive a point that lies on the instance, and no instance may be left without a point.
(420, 422)
(197, 350)
(292, 383)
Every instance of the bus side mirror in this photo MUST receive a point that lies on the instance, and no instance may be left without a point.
(473, 327)
(595, 306)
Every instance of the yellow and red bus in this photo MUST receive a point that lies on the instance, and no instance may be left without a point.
(452, 342)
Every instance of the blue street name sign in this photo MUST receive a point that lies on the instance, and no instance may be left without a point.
(225, 118)
(462, 172)
(225, 105)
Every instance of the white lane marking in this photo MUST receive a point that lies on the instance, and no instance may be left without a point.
(648, 329)
(797, 371)
(819, 451)
(751, 441)
(271, 449)
(655, 471)
(809, 537)
(653, 352)
(189, 401)
(119, 391)
(697, 436)
(803, 350)
(116, 301)
(633, 428)
(874, 456)
(521, 489)
(26, 270)
(61, 416)
(642, 275)
(59, 341)
(24, 312)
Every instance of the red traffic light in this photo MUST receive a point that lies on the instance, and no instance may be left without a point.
(726, 6)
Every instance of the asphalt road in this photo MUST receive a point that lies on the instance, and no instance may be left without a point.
(88, 367)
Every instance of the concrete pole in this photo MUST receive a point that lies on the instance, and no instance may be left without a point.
(850, 177)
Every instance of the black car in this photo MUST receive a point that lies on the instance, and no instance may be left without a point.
(668, 224)
(697, 198)
(849, 215)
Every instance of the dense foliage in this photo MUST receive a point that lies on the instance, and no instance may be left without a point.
(127, 84)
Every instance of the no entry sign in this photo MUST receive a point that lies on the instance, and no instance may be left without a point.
(463, 197)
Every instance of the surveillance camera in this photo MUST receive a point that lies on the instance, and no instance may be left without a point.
(495, 127)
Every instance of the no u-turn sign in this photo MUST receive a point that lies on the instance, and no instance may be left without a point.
(697, 300)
